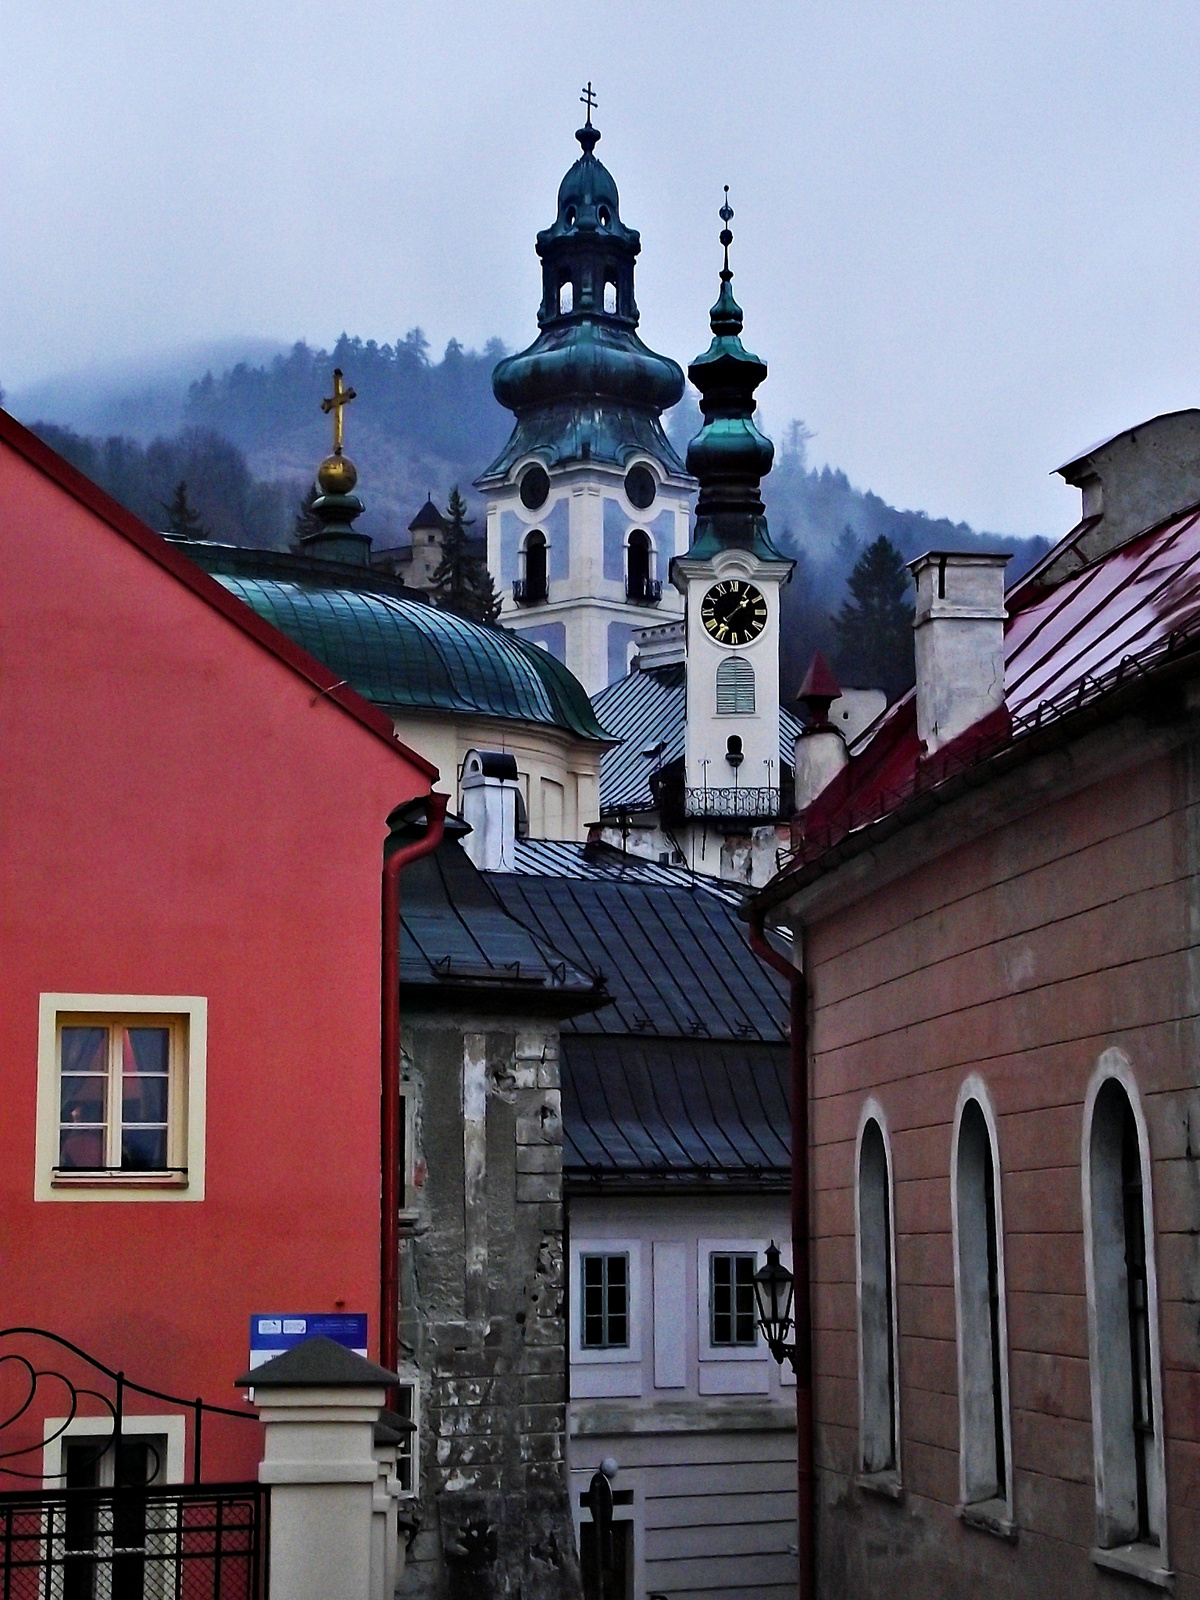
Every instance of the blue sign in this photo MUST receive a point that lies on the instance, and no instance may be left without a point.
(273, 1332)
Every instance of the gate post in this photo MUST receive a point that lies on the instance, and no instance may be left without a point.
(319, 1404)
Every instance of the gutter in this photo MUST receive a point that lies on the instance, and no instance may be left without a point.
(802, 1360)
(389, 1138)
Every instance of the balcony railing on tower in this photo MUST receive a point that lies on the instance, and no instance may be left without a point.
(643, 591)
(733, 802)
(528, 591)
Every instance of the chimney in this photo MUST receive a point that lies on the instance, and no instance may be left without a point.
(490, 791)
(959, 639)
(820, 750)
(1135, 479)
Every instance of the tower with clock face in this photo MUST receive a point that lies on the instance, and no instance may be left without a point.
(730, 578)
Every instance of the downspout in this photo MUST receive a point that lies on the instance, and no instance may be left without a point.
(389, 1154)
(801, 1267)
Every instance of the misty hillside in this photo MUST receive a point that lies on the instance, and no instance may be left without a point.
(250, 435)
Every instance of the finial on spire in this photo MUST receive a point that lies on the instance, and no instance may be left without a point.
(588, 136)
(337, 474)
(726, 238)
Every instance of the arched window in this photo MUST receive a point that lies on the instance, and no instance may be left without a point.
(535, 566)
(566, 298)
(610, 297)
(1122, 1311)
(637, 566)
(979, 1292)
(735, 687)
(876, 1303)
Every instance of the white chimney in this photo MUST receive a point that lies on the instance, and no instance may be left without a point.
(959, 639)
(490, 790)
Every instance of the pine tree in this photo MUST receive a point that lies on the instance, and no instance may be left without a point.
(183, 520)
(462, 582)
(304, 522)
(874, 627)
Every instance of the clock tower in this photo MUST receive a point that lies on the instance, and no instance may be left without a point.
(730, 579)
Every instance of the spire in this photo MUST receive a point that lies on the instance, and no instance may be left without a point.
(588, 136)
(337, 505)
(729, 455)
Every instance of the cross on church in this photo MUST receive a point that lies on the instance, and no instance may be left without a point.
(588, 99)
(340, 398)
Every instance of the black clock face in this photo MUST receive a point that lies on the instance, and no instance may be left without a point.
(734, 611)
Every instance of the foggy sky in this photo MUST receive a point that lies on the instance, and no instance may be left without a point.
(967, 237)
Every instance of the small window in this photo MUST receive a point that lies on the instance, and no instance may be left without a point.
(876, 1332)
(119, 1090)
(535, 487)
(605, 1309)
(610, 297)
(120, 1095)
(566, 298)
(735, 688)
(535, 566)
(407, 1454)
(640, 486)
(731, 1299)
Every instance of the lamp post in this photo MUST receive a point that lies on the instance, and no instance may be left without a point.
(773, 1288)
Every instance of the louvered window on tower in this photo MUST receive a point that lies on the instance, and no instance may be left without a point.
(735, 688)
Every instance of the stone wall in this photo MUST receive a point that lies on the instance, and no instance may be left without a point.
(482, 1316)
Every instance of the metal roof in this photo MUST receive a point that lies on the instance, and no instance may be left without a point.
(674, 959)
(1066, 647)
(672, 1110)
(646, 711)
(410, 656)
(565, 858)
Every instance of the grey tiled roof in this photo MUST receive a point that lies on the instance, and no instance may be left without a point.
(565, 858)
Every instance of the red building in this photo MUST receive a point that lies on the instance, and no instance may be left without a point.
(996, 895)
(192, 822)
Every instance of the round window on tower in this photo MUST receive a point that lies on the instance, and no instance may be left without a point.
(640, 486)
(535, 486)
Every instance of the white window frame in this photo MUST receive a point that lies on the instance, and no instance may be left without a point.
(974, 1088)
(187, 1114)
(1142, 1560)
(872, 1111)
(57, 1430)
(725, 1352)
(411, 1381)
(585, 1354)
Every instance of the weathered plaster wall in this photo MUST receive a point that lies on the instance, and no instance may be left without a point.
(482, 1311)
(1021, 957)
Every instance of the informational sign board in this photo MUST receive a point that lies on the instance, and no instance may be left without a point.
(273, 1332)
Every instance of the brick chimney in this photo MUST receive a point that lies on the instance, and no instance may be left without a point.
(959, 637)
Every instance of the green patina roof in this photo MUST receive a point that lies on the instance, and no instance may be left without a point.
(408, 656)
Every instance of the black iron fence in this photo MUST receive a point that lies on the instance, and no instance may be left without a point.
(177, 1542)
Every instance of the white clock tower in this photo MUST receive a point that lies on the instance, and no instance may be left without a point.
(730, 579)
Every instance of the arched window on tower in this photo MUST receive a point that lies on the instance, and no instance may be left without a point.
(982, 1334)
(735, 688)
(610, 297)
(640, 583)
(1127, 1436)
(532, 586)
(566, 297)
(876, 1304)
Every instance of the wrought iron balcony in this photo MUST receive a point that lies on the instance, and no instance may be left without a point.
(528, 591)
(731, 802)
(643, 591)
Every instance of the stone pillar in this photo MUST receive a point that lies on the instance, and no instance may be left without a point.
(319, 1404)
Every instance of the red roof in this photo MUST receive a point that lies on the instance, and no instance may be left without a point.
(1065, 647)
(124, 522)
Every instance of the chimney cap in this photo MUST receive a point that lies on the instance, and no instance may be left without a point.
(960, 558)
(491, 764)
(819, 690)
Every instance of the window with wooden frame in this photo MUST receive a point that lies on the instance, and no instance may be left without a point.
(731, 1306)
(120, 1095)
(604, 1322)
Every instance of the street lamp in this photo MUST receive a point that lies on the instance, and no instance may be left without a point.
(773, 1285)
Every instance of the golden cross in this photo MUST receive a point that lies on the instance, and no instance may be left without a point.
(336, 401)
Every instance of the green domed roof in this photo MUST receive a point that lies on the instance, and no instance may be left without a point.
(407, 656)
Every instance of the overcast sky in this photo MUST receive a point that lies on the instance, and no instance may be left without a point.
(967, 234)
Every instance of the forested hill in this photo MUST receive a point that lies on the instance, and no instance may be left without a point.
(254, 433)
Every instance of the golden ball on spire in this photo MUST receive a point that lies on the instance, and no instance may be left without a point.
(337, 474)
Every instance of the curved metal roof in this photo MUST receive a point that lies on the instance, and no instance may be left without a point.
(409, 656)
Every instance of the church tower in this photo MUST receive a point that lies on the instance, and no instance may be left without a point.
(587, 504)
(730, 579)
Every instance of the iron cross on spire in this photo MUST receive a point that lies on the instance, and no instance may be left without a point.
(588, 99)
(336, 402)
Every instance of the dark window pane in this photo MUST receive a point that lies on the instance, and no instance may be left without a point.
(81, 1148)
(605, 1302)
(146, 1049)
(143, 1100)
(83, 1099)
(144, 1149)
(85, 1050)
(731, 1294)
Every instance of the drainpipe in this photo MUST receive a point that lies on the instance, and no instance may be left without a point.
(389, 1233)
(802, 1304)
